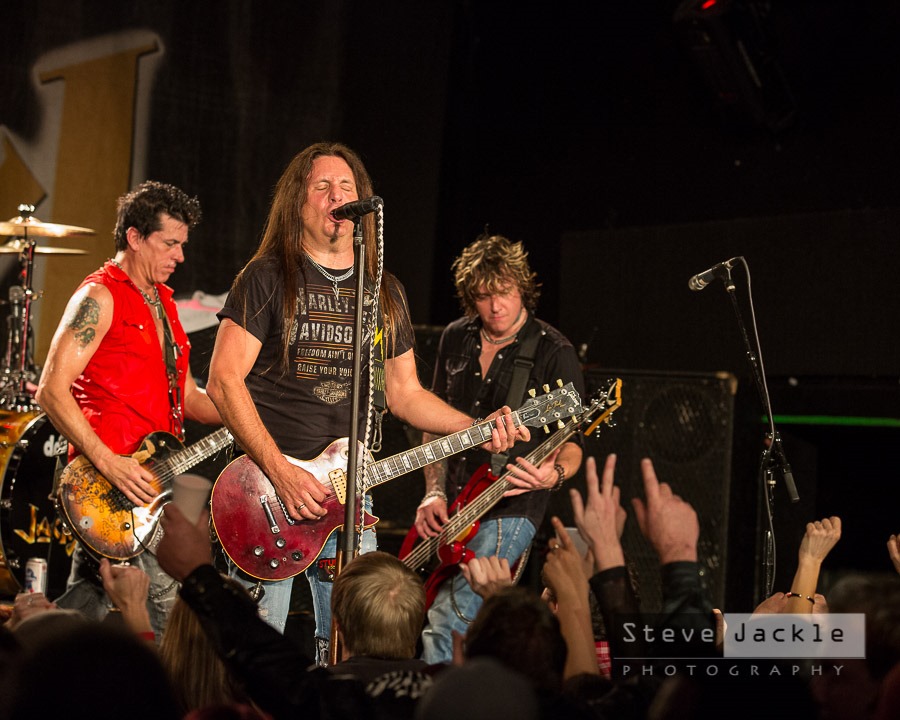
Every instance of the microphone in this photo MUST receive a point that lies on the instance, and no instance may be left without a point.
(357, 208)
(720, 270)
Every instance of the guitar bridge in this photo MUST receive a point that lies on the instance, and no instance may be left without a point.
(273, 526)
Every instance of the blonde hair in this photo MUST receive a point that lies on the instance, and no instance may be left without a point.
(379, 605)
(493, 262)
(198, 675)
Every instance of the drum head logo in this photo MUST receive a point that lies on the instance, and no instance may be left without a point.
(56, 445)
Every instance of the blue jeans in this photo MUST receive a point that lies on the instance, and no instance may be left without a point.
(275, 603)
(456, 604)
(87, 595)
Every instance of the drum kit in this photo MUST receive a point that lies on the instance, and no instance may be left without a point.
(29, 444)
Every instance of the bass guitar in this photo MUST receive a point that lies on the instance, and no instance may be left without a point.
(106, 522)
(438, 558)
(259, 536)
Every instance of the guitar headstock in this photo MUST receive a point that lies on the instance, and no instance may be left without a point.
(606, 402)
(552, 407)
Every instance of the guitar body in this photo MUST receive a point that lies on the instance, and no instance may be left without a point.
(103, 519)
(450, 555)
(439, 557)
(260, 537)
(254, 528)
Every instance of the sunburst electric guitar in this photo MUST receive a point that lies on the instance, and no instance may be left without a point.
(438, 558)
(259, 536)
(106, 522)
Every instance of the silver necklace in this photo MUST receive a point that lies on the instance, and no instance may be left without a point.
(508, 337)
(335, 279)
(155, 304)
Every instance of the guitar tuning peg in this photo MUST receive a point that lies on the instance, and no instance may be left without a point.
(546, 387)
(532, 392)
(546, 429)
(560, 424)
(559, 382)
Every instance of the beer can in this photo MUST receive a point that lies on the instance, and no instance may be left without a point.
(36, 575)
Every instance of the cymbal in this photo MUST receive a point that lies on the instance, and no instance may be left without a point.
(17, 246)
(28, 225)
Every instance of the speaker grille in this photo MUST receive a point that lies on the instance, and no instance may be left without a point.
(684, 423)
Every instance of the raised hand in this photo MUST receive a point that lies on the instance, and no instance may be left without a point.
(893, 546)
(821, 536)
(487, 575)
(184, 547)
(667, 521)
(601, 519)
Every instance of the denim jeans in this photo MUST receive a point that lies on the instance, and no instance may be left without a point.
(275, 602)
(456, 604)
(84, 592)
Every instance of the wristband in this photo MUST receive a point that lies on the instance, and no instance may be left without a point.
(561, 472)
(793, 594)
(432, 495)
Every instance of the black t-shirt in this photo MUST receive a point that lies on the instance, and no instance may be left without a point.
(307, 405)
(458, 380)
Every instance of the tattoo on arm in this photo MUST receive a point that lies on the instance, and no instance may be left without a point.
(83, 322)
(436, 472)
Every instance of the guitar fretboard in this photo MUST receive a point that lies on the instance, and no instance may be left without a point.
(486, 500)
(193, 454)
(402, 463)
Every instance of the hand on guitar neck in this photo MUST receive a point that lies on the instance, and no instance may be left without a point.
(505, 433)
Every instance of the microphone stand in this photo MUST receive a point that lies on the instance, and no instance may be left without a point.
(773, 460)
(348, 537)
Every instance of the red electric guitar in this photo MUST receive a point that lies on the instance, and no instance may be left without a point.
(266, 543)
(483, 491)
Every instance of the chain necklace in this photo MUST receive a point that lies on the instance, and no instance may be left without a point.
(501, 341)
(335, 279)
(155, 304)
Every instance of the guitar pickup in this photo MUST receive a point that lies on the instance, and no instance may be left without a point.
(339, 483)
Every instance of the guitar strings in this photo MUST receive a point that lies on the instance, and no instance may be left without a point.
(482, 503)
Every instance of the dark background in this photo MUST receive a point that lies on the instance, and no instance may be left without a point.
(590, 132)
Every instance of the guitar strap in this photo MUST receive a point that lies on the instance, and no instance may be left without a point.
(171, 352)
(522, 365)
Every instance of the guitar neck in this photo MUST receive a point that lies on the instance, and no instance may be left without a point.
(494, 492)
(489, 497)
(390, 467)
(197, 452)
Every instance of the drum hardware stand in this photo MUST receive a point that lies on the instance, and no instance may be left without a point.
(19, 368)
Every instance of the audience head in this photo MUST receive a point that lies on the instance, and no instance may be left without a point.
(84, 668)
(378, 605)
(854, 692)
(481, 689)
(199, 677)
(517, 628)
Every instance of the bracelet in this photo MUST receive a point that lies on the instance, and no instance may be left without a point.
(477, 421)
(793, 594)
(432, 494)
(561, 471)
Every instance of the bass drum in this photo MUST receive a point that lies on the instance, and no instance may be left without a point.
(29, 525)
